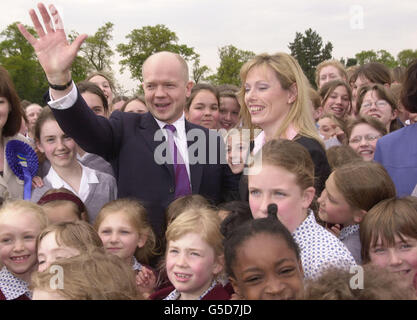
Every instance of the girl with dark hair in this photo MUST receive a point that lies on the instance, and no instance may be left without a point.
(93, 187)
(202, 106)
(272, 273)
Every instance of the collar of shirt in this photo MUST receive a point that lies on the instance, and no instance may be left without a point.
(347, 231)
(88, 176)
(180, 138)
(290, 134)
(414, 193)
(81, 158)
(179, 125)
(11, 286)
(175, 295)
(136, 265)
(259, 142)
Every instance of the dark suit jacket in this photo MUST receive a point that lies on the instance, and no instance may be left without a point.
(127, 141)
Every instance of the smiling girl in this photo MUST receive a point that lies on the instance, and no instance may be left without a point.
(93, 187)
(336, 98)
(389, 237)
(377, 101)
(273, 273)
(194, 257)
(123, 227)
(351, 191)
(20, 224)
(363, 133)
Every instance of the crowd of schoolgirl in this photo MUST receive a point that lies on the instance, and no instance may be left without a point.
(328, 183)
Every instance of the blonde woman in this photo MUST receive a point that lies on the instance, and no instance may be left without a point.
(274, 97)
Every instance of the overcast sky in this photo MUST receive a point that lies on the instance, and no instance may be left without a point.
(256, 25)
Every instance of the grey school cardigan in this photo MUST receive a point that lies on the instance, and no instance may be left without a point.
(100, 193)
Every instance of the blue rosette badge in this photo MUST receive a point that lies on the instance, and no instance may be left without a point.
(24, 163)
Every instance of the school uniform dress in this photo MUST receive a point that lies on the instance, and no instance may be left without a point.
(96, 189)
(215, 292)
(350, 238)
(13, 288)
(320, 249)
(397, 152)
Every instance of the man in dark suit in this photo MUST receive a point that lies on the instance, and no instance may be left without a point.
(130, 141)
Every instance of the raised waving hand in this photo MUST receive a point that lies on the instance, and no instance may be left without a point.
(52, 48)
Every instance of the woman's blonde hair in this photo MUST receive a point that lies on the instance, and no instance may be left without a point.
(92, 275)
(75, 234)
(18, 206)
(387, 219)
(203, 221)
(288, 72)
(138, 218)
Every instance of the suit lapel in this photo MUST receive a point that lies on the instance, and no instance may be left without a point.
(196, 170)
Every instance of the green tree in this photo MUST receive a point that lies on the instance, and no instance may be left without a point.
(351, 62)
(309, 51)
(405, 57)
(80, 69)
(199, 72)
(81, 66)
(147, 41)
(381, 56)
(95, 54)
(231, 60)
(348, 62)
(96, 49)
(386, 58)
(366, 56)
(19, 58)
